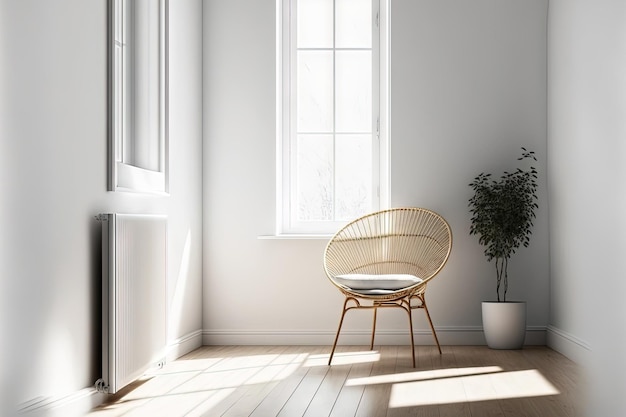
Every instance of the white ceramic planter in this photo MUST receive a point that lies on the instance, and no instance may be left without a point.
(504, 324)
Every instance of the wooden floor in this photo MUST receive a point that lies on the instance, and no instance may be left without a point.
(295, 381)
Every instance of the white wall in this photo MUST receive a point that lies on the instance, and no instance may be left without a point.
(468, 90)
(468, 85)
(53, 164)
(587, 176)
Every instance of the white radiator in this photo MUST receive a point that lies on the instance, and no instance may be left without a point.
(134, 254)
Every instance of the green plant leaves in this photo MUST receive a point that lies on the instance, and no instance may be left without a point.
(502, 212)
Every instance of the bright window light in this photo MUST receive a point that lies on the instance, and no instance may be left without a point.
(331, 104)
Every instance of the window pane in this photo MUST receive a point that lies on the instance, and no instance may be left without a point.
(314, 178)
(315, 91)
(353, 180)
(354, 91)
(353, 24)
(330, 153)
(315, 24)
(137, 84)
(145, 84)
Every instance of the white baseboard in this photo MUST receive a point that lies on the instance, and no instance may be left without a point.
(79, 403)
(183, 345)
(76, 404)
(568, 345)
(466, 335)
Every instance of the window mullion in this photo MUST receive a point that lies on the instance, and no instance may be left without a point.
(376, 81)
(293, 114)
(334, 167)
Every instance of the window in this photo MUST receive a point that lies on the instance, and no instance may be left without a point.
(138, 111)
(330, 148)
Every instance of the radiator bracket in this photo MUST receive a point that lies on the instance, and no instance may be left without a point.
(101, 386)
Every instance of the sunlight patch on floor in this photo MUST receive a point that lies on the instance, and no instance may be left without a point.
(471, 388)
(343, 358)
(422, 375)
(199, 384)
(185, 366)
(210, 403)
(174, 405)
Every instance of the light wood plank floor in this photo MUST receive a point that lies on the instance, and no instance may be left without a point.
(292, 381)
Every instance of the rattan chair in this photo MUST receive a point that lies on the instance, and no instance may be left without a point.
(386, 259)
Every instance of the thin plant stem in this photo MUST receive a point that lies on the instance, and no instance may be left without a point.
(499, 270)
(506, 277)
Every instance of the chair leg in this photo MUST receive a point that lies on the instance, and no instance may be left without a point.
(409, 312)
(373, 328)
(423, 299)
(343, 314)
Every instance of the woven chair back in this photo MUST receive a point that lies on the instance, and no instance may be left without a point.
(414, 241)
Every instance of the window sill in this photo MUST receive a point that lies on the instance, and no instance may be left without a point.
(294, 237)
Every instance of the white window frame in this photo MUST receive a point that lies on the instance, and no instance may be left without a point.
(285, 127)
(124, 176)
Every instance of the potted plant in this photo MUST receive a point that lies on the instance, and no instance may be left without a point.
(502, 213)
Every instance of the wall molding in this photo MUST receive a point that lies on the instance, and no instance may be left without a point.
(448, 335)
(183, 345)
(568, 345)
(79, 403)
(75, 404)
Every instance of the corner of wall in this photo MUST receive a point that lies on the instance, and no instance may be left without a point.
(568, 345)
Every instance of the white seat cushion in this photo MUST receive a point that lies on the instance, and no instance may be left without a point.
(374, 282)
